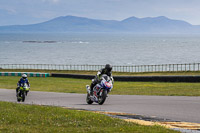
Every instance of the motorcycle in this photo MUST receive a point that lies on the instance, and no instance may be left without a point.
(22, 93)
(100, 90)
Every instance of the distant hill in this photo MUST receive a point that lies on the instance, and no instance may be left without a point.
(149, 25)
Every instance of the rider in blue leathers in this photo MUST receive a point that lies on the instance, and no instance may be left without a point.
(21, 82)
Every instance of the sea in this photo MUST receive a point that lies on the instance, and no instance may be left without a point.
(98, 48)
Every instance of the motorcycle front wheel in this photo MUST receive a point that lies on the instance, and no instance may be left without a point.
(18, 99)
(88, 100)
(23, 96)
(102, 97)
(19, 96)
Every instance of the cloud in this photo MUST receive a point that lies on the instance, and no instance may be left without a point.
(45, 15)
(52, 1)
(9, 10)
(55, 1)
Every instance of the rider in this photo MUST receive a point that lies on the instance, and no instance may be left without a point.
(107, 70)
(21, 82)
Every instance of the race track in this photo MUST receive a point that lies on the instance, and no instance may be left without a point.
(175, 108)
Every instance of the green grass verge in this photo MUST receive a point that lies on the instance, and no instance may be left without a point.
(18, 118)
(94, 72)
(69, 85)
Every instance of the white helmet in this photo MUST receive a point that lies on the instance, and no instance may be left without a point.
(24, 76)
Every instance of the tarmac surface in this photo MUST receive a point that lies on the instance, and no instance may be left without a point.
(163, 108)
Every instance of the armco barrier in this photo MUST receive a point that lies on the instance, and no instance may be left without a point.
(72, 76)
(158, 78)
(29, 74)
(137, 78)
(116, 78)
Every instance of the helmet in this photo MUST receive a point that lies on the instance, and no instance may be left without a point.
(24, 76)
(108, 67)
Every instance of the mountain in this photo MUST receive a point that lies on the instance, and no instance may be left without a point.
(147, 25)
(156, 25)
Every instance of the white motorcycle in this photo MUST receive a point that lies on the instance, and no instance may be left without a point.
(100, 90)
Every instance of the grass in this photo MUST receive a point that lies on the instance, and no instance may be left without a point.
(19, 118)
(69, 85)
(114, 73)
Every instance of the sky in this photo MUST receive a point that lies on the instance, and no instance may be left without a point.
(20, 12)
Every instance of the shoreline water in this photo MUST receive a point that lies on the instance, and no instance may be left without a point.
(98, 48)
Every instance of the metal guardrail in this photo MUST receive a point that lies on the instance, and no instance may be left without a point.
(135, 68)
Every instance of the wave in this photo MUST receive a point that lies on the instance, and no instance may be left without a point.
(39, 41)
(80, 42)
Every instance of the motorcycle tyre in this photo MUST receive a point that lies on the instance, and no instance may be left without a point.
(23, 96)
(88, 100)
(102, 99)
(18, 99)
(18, 96)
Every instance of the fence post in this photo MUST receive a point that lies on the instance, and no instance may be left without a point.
(136, 68)
(177, 67)
(139, 67)
(131, 68)
(181, 67)
(169, 67)
(162, 67)
(189, 67)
